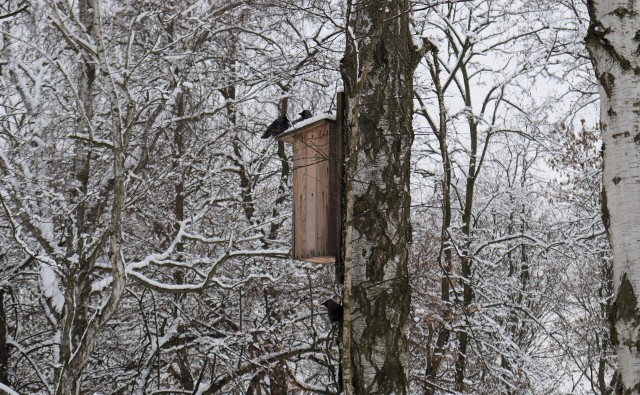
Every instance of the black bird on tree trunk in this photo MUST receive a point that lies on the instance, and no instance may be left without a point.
(334, 310)
(278, 126)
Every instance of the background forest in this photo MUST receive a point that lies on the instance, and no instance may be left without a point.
(145, 226)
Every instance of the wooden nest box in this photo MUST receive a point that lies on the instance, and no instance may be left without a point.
(317, 185)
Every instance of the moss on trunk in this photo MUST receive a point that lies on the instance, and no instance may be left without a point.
(380, 182)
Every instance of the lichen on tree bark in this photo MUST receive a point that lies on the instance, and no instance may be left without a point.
(377, 71)
(611, 41)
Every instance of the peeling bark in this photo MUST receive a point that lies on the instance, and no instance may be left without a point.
(378, 74)
(614, 49)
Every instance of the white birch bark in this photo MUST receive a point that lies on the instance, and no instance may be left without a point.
(378, 75)
(614, 43)
(73, 366)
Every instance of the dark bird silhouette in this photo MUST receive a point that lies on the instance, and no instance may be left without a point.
(334, 310)
(305, 114)
(278, 126)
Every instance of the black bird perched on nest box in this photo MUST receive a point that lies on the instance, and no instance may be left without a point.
(304, 114)
(278, 126)
(334, 310)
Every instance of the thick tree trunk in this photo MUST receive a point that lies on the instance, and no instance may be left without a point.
(378, 71)
(613, 44)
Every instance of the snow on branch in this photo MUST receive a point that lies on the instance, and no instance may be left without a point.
(16, 230)
(256, 363)
(513, 237)
(11, 14)
(208, 277)
(88, 139)
(26, 355)
(7, 390)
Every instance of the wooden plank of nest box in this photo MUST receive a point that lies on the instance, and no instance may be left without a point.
(312, 206)
(320, 259)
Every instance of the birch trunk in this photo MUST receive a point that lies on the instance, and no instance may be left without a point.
(79, 351)
(613, 42)
(377, 72)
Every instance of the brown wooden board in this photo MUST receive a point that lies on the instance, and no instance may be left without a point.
(299, 203)
(322, 189)
(316, 192)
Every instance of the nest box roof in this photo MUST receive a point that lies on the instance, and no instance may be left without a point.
(298, 127)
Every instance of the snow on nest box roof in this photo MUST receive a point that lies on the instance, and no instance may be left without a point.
(298, 126)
